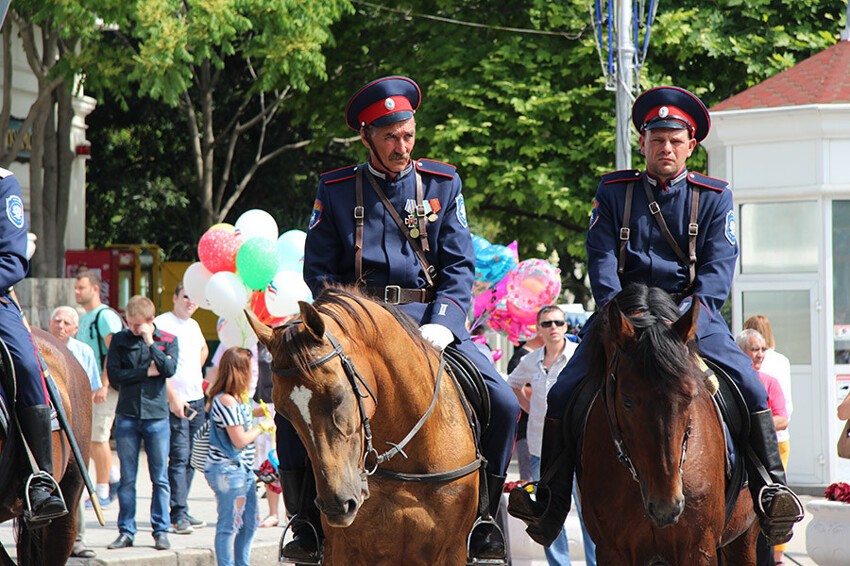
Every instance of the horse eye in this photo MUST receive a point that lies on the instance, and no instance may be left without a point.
(627, 404)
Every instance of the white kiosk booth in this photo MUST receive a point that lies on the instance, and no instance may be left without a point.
(784, 146)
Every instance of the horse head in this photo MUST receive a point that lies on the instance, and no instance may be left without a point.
(315, 390)
(651, 383)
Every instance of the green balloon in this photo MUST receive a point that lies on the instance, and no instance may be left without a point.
(256, 262)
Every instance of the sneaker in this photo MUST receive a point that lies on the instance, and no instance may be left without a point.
(104, 503)
(182, 527)
(161, 541)
(197, 523)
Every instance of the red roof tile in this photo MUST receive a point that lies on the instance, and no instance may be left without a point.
(821, 79)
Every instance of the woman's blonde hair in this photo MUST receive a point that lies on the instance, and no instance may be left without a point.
(762, 324)
(234, 373)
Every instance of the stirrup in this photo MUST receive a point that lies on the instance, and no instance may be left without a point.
(784, 511)
(42, 519)
(474, 560)
(300, 562)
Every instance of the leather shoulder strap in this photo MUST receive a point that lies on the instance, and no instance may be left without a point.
(358, 226)
(625, 231)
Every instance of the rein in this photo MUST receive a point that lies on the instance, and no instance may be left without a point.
(608, 394)
(370, 466)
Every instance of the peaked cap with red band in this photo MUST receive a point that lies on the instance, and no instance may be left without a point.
(383, 101)
(671, 107)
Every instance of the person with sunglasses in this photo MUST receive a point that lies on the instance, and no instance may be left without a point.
(541, 368)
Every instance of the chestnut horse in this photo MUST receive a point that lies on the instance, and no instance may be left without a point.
(53, 543)
(351, 366)
(653, 457)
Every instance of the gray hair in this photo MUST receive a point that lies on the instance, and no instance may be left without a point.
(743, 339)
(71, 311)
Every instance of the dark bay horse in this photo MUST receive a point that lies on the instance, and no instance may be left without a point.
(655, 414)
(52, 544)
(350, 359)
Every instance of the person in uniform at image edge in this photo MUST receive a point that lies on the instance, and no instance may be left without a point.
(671, 210)
(31, 399)
(389, 270)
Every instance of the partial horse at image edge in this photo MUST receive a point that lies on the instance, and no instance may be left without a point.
(53, 543)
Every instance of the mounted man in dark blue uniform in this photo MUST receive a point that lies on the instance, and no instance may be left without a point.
(674, 229)
(397, 227)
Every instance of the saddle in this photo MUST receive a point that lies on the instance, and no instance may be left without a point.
(468, 378)
(731, 409)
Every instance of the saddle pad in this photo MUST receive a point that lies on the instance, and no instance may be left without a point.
(468, 376)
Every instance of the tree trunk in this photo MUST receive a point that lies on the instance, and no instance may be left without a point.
(66, 157)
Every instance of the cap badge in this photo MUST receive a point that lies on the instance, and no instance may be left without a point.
(389, 104)
(663, 112)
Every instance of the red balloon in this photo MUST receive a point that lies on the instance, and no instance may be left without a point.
(217, 250)
(258, 307)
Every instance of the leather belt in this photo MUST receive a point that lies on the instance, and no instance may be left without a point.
(395, 295)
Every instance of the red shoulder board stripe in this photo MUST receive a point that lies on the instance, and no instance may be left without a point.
(436, 168)
(620, 176)
(338, 175)
(708, 182)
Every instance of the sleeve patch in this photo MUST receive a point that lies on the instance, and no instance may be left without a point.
(15, 211)
(316, 215)
(594, 214)
(731, 228)
(461, 211)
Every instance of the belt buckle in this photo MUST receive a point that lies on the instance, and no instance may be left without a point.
(388, 292)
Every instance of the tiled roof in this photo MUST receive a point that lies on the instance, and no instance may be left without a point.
(821, 79)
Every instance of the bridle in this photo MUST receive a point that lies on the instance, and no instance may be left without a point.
(371, 458)
(608, 395)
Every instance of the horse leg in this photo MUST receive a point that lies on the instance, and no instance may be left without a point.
(742, 550)
(59, 537)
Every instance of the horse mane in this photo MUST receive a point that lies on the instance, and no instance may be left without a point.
(657, 351)
(345, 305)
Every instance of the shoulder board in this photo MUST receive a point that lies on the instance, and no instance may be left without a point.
(5, 173)
(708, 182)
(338, 175)
(621, 176)
(436, 168)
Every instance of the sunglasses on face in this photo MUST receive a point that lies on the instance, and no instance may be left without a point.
(549, 323)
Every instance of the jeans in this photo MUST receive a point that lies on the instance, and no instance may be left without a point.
(180, 473)
(129, 433)
(238, 512)
(558, 554)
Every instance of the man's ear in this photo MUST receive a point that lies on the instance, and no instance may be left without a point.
(364, 138)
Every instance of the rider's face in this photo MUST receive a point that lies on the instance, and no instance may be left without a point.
(392, 144)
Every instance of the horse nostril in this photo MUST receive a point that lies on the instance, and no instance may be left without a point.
(350, 505)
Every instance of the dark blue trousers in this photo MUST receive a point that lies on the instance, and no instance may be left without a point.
(496, 443)
(31, 390)
(716, 345)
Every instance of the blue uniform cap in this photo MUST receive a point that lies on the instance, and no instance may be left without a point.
(383, 101)
(671, 107)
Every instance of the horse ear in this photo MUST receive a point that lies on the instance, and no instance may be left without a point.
(686, 326)
(312, 320)
(619, 326)
(263, 331)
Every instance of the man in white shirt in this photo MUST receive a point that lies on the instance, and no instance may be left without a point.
(541, 368)
(185, 402)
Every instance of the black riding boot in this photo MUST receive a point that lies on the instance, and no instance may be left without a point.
(486, 541)
(546, 512)
(299, 498)
(43, 504)
(777, 506)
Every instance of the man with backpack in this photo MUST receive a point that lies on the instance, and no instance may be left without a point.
(97, 326)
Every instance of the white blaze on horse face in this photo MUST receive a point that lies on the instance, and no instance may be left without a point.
(301, 398)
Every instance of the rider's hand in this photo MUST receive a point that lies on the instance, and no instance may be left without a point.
(438, 335)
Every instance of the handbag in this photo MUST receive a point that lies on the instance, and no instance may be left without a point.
(200, 447)
(844, 441)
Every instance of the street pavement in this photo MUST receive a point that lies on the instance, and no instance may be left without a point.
(196, 549)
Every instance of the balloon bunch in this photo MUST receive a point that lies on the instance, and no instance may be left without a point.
(507, 293)
(247, 265)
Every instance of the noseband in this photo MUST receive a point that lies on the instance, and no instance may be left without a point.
(371, 458)
(608, 395)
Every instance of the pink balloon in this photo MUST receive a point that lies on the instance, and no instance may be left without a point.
(486, 302)
(217, 249)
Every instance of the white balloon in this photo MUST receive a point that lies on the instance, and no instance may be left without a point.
(290, 250)
(284, 292)
(226, 294)
(236, 332)
(195, 280)
(256, 223)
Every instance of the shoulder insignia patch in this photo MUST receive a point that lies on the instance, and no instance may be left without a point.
(315, 215)
(708, 182)
(338, 175)
(436, 168)
(15, 211)
(621, 176)
(731, 230)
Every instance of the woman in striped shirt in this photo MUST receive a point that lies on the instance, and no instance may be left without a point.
(230, 457)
